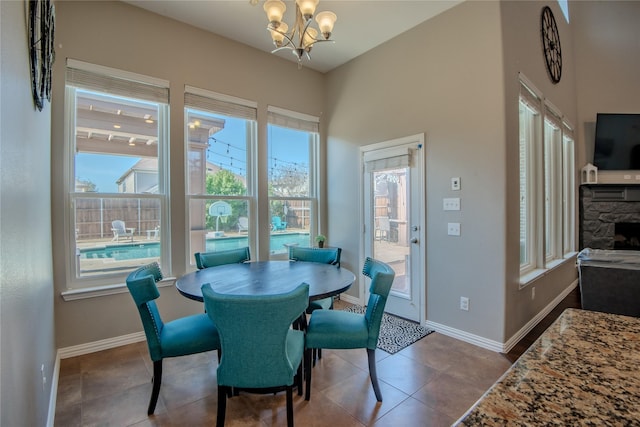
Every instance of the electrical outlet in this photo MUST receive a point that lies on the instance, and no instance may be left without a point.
(464, 303)
(452, 204)
(533, 292)
(453, 228)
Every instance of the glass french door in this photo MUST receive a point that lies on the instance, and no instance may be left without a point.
(393, 206)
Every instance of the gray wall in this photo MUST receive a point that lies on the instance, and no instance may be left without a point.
(26, 283)
(448, 84)
(607, 52)
(522, 52)
(121, 36)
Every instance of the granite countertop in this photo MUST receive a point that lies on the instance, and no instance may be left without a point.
(583, 370)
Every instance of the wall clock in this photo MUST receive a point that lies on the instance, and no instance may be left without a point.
(551, 44)
(41, 53)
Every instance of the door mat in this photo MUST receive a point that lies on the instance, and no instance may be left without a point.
(396, 333)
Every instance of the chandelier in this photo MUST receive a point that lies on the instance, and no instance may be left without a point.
(302, 36)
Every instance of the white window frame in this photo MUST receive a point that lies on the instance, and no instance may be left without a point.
(529, 159)
(299, 121)
(569, 190)
(213, 102)
(553, 184)
(111, 81)
(549, 195)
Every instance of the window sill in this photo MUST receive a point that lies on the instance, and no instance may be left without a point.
(531, 276)
(99, 291)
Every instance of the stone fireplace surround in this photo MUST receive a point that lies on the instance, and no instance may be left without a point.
(602, 206)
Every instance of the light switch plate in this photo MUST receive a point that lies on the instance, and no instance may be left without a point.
(455, 183)
(451, 204)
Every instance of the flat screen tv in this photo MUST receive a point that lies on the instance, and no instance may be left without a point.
(617, 145)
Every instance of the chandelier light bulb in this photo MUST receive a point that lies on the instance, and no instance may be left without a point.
(278, 35)
(326, 20)
(307, 7)
(275, 11)
(309, 38)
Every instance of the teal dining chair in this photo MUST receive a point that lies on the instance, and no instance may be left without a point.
(231, 256)
(337, 329)
(179, 337)
(261, 353)
(320, 255)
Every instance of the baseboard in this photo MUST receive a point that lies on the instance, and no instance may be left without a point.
(350, 299)
(54, 391)
(511, 342)
(465, 336)
(79, 350)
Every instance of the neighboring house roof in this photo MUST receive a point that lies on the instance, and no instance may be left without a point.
(151, 165)
(145, 164)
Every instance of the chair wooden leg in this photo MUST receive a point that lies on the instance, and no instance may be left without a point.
(299, 379)
(289, 406)
(371, 354)
(157, 382)
(222, 405)
(307, 372)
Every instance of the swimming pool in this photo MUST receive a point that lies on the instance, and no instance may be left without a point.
(279, 243)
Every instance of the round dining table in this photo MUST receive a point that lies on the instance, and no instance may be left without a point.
(267, 278)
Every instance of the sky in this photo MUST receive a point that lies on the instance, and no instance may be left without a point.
(226, 149)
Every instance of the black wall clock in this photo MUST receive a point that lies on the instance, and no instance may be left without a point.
(41, 53)
(551, 44)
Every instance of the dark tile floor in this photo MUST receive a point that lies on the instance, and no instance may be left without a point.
(430, 383)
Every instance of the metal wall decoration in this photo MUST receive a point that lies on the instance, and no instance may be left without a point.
(41, 50)
(551, 44)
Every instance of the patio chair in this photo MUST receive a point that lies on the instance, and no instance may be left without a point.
(261, 353)
(179, 337)
(119, 230)
(243, 224)
(337, 329)
(383, 228)
(278, 224)
(231, 256)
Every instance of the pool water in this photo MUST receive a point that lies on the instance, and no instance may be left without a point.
(279, 243)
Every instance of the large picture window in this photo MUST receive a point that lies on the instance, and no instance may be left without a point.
(292, 170)
(117, 138)
(220, 134)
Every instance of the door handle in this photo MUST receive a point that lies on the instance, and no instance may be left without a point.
(414, 240)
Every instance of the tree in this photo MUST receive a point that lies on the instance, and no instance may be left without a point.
(289, 180)
(225, 183)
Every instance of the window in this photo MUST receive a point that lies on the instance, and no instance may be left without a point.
(547, 193)
(292, 140)
(552, 186)
(219, 132)
(569, 191)
(118, 177)
(529, 140)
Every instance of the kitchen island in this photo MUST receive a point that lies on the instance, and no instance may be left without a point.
(583, 370)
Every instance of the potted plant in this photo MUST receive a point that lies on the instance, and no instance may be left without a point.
(320, 238)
